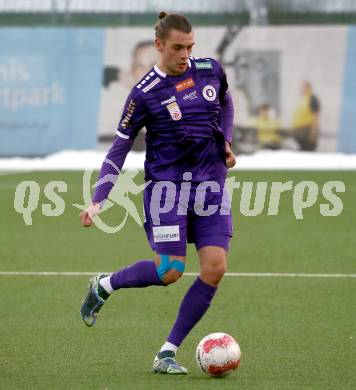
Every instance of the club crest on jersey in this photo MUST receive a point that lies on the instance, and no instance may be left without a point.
(209, 93)
(174, 111)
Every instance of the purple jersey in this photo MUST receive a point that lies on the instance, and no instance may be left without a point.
(182, 115)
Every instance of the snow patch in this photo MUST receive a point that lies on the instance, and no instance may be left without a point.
(264, 160)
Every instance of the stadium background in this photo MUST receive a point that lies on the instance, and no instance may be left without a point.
(65, 68)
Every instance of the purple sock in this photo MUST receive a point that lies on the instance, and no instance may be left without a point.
(141, 274)
(194, 305)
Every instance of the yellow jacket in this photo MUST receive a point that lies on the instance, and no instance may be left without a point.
(267, 130)
(304, 115)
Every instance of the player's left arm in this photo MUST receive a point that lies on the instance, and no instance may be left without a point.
(227, 117)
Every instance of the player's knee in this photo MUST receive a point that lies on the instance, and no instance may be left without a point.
(214, 273)
(171, 277)
(170, 268)
(220, 271)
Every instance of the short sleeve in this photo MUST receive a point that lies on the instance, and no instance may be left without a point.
(133, 117)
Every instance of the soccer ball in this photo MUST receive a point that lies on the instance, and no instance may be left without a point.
(218, 354)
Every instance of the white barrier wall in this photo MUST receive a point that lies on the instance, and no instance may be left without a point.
(290, 55)
(64, 88)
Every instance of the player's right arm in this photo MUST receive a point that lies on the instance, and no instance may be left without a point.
(132, 120)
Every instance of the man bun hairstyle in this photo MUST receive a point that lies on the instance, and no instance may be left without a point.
(168, 22)
(162, 14)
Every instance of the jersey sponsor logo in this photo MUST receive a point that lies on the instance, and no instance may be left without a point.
(203, 65)
(174, 111)
(187, 83)
(170, 100)
(129, 111)
(209, 93)
(166, 233)
(190, 96)
(151, 85)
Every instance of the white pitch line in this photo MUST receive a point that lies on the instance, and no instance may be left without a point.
(36, 273)
(289, 275)
(234, 274)
(9, 173)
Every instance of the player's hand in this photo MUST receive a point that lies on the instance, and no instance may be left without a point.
(86, 216)
(229, 155)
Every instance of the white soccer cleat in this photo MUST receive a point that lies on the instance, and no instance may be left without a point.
(165, 363)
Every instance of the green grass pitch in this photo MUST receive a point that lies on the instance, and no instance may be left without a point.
(294, 333)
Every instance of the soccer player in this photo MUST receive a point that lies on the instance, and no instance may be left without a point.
(184, 104)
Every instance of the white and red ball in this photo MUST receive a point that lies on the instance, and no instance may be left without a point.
(218, 354)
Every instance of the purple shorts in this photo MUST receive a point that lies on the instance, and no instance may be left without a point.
(175, 218)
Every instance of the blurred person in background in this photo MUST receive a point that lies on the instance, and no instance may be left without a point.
(144, 56)
(267, 128)
(118, 83)
(305, 126)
